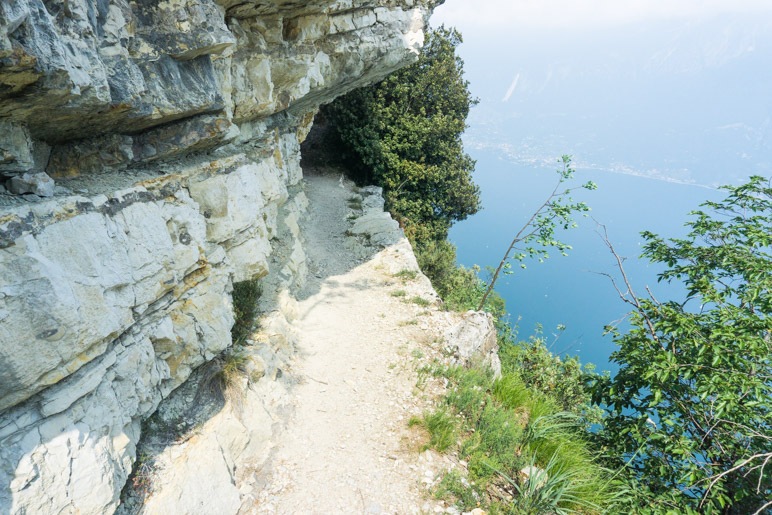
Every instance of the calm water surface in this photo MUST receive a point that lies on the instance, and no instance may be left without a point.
(571, 290)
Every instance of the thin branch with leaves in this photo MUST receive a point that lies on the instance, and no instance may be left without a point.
(538, 233)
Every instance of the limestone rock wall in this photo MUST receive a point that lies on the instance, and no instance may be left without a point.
(172, 131)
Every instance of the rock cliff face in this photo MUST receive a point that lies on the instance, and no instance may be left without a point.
(172, 131)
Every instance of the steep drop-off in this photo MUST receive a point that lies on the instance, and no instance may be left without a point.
(172, 132)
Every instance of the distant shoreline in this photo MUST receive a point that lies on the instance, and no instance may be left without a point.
(549, 163)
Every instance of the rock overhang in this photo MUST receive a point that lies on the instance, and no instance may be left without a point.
(172, 130)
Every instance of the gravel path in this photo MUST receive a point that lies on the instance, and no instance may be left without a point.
(347, 447)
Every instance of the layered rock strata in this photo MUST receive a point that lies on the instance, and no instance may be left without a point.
(172, 130)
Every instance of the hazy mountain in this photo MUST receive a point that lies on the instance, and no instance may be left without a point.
(688, 101)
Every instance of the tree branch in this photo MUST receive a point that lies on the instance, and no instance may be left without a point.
(634, 301)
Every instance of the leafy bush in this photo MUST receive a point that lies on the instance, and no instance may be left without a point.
(690, 410)
(565, 380)
(404, 134)
(437, 260)
(460, 288)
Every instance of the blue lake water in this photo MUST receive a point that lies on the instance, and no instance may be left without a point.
(570, 290)
(683, 98)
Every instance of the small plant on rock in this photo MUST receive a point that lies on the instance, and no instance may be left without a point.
(141, 477)
(406, 275)
(420, 301)
(226, 374)
(246, 295)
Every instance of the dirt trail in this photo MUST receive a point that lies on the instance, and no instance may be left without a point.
(347, 447)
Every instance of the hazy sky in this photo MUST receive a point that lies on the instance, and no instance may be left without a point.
(486, 14)
(680, 87)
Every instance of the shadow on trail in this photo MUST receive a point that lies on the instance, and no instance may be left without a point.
(330, 250)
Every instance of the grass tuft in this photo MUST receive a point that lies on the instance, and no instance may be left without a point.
(355, 203)
(226, 374)
(420, 301)
(406, 275)
(441, 426)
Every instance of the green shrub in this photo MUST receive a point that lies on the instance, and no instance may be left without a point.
(437, 260)
(689, 411)
(246, 295)
(462, 289)
(565, 380)
(404, 134)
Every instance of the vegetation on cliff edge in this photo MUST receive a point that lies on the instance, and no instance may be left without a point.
(404, 134)
(686, 423)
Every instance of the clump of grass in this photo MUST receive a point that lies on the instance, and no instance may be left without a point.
(398, 293)
(424, 372)
(420, 301)
(441, 426)
(233, 367)
(355, 202)
(406, 275)
(226, 374)
(553, 489)
(246, 295)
